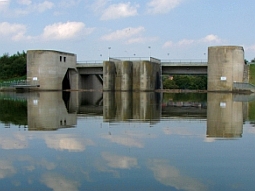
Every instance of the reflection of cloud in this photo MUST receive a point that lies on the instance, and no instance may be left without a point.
(66, 142)
(15, 141)
(122, 162)
(176, 131)
(124, 140)
(6, 169)
(171, 176)
(59, 183)
(30, 164)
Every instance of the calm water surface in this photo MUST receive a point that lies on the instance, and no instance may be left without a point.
(126, 141)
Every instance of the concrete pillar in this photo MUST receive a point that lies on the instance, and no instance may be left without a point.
(109, 72)
(225, 66)
(127, 76)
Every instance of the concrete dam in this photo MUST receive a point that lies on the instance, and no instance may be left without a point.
(55, 70)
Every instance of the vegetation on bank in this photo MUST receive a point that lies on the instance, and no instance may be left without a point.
(190, 82)
(13, 67)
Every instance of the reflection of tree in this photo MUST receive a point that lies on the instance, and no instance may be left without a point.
(13, 112)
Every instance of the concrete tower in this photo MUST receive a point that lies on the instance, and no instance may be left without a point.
(225, 66)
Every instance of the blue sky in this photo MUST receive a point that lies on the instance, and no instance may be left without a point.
(164, 29)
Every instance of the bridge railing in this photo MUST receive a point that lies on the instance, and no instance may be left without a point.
(90, 62)
(194, 61)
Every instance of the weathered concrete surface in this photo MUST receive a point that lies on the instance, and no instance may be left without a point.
(109, 73)
(48, 68)
(131, 76)
(225, 66)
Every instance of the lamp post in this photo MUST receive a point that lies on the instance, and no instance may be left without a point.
(109, 48)
(149, 50)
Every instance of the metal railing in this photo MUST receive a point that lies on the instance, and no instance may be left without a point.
(244, 86)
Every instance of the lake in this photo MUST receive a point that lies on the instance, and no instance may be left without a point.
(127, 141)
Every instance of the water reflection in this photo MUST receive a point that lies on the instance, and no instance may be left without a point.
(123, 106)
(173, 154)
(225, 112)
(48, 112)
(224, 116)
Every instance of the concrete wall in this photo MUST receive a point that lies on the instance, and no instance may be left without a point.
(131, 76)
(48, 68)
(225, 66)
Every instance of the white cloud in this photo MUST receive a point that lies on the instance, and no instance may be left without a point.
(171, 176)
(63, 31)
(209, 39)
(123, 34)
(141, 40)
(120, 10)
(4, 5)
(41, 7)
(185, 42)
(250, 48)
(99, 5)
(121, 162)
(14, 31)
(162, 6)
(168, 44)
(24, 2)
(68, 3)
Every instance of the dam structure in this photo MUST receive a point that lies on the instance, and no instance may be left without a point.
(56, 70)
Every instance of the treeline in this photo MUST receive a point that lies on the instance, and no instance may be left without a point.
(190, 82)
(13, 66)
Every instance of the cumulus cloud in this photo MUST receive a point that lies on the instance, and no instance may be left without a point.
(121, 162)
(24, 2)
(141, 40)
(4, 5)
(162, 6)
(41, 7)
(250, 48)
(59, 183)
(68, 3)
(123, 34)
(120, 10)
(209, 39)
(68, 30)
(171, 176)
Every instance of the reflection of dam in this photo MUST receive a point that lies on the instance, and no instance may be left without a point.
(224, 116)
(225, 113)
(122, 106)
(47, 111)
